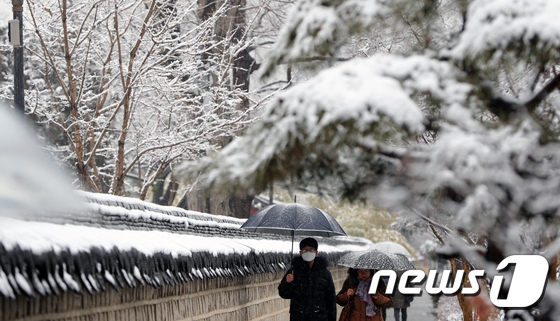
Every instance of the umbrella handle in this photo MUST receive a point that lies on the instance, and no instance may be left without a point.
(293, 232)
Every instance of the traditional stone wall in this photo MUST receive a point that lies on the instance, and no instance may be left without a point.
(238, 298)
(122, 283)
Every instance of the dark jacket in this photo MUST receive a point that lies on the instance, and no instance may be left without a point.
(312, 292)
(400, 301)
(358, 307)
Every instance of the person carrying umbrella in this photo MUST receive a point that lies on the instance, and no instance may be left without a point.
(309, 285)
(358, 304)
(401, 302)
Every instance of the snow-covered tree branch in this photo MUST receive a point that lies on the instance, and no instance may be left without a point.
(459, 121)
(125, 89)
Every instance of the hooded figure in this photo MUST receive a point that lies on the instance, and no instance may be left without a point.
(309, 286)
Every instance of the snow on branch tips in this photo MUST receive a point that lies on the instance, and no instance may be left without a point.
(495, 27)
(372, 96)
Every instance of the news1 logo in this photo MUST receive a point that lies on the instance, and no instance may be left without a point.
(525, 285)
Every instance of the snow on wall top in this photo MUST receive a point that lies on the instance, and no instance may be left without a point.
(52, 240)
(127, 242)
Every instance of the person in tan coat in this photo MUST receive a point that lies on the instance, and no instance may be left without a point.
(354, 296)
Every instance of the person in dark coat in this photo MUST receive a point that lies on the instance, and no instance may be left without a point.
(309, 286)
(401, 302)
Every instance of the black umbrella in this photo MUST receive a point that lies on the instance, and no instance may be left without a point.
(293, 219)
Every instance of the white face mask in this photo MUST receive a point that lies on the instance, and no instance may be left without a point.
(308, 256)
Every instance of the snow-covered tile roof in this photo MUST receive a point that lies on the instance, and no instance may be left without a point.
(123, 241)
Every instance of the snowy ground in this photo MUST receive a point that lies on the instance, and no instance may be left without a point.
(448, 309)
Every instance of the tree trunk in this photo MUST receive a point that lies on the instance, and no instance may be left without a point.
(233, 23)
(240, 206)
(465, 306)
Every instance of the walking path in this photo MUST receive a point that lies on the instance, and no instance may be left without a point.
(421, 309)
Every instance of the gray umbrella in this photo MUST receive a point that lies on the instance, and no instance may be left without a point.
(293, 219)
(400, 262)
(392, 247)
(371, 259)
